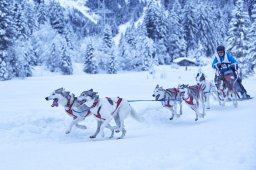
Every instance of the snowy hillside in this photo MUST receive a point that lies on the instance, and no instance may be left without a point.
(32, 133)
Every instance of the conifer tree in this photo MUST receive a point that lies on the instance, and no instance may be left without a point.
(112, 64)
(53, 61)
(238, 38)
(90, 63)
(206, 35)
(65, 63)
(21, 29)
(176, 43)
(6, 40)
(155, 21)
(190, 28)
(250, 60)
(56, 16)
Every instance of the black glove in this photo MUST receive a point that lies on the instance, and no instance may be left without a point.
(218, 65)
(234, 66)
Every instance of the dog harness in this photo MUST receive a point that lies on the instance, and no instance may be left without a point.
(69, 110)
(69, 106)
(171, 91)
(189, 100)
(98, 115)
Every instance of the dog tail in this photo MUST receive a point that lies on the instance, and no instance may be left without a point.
(136, 116)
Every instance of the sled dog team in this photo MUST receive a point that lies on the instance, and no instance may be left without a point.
(106, 109)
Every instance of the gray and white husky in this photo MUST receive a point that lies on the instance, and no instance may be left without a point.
(107, 109)
(209, 89)
(192, 96)
(169, 98)
(72, 108)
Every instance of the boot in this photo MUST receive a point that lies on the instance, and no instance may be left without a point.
(246, 96)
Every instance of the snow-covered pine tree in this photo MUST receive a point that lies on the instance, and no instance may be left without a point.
(176, 43)
(145, 53)
(112, 64)
(238, 38)
(56, 14)
(155, 21)
(53, 61)
(190, 28)
(220, 20)
(31, 17)
(6, 69)
(90, 63)
(65, 62)
(161, 52)
(205, 32)
(41, 13)
(21, 27)
(107, 37)
(108, 56)
(148, 55)
(128, 47)
(250, 60)
(6, 40)
(21, 59)
(123, 52)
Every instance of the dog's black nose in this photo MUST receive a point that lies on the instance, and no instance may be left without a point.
(153, 95)
(46, 98)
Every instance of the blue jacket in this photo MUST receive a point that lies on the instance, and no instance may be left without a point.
(230, 59)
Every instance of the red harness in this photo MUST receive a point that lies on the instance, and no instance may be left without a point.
(70, 112)
(98, 115)
(68, 108)
(172, 90)
(189, 100)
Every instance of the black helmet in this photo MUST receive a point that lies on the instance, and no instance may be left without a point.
(221, 48)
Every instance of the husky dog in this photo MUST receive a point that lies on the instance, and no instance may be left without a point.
(105, 109)
(192, 95)
(209, 89)
(72, 108)
(169, 98)
(226, 81)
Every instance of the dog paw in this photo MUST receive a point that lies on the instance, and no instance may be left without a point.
(67, 132)
(196, 119)
(92, 137)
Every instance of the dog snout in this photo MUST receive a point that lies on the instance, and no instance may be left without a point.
(47, 98)
(153, 95)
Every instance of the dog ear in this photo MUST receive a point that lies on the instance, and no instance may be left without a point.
(91, 90)
(157, 86)
(181, 86)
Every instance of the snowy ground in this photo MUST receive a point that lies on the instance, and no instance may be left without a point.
(32, 134)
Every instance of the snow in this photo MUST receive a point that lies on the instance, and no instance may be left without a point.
(32, 133)
(183, 58)
(79, 5)
(121, 30)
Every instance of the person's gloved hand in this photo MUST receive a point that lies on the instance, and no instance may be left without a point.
(218, 65)
(234, 66)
